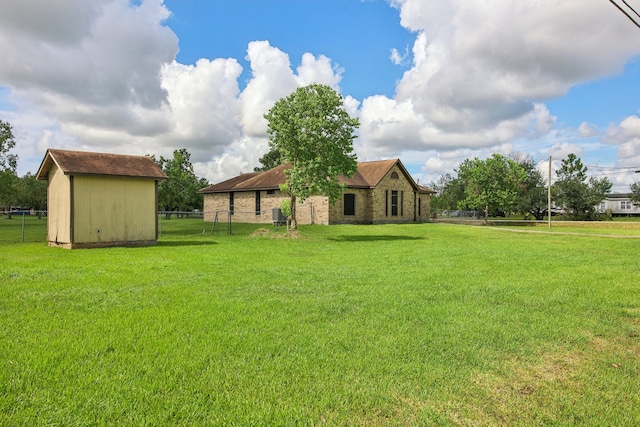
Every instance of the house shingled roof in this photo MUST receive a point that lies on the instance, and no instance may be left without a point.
(99, 164)
(425, 190)
(368, 175)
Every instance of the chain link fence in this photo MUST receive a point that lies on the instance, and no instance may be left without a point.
(26, 226)
(23, 226)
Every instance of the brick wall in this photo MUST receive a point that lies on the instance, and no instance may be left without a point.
(382, 198)
(363, 208)
(372, 206)
(314, 210)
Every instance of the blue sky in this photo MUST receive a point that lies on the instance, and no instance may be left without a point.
(602, 101)
(357, 35)
(433, 82)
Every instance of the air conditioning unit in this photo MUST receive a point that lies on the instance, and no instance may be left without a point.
(278, 217)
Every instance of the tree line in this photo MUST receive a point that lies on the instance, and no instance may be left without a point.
(178, 193)
(15, 191)
(311, 131)
(502, 185)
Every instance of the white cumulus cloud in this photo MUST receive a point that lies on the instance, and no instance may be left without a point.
(103, 75)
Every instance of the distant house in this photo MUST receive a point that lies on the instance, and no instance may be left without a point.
(379, 192)
(98, 199)
(619, 204)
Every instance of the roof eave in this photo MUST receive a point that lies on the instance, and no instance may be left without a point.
(157, 178)
(45, 166)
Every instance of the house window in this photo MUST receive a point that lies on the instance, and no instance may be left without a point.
(402, 203)
(231, 202)
(603, 206)
(271, 191)
(394, 175)
(625, 204)
(349, 204)
(258, 203)
(419, 207)
(394, 203)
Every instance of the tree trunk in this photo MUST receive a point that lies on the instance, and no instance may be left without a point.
(293, 220)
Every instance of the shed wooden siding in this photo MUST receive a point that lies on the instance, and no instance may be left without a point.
(100, 199)
(58, 210)
(114, 209)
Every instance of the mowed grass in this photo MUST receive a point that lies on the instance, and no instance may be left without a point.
(428, 324)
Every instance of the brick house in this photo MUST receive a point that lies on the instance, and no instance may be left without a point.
(379, 192)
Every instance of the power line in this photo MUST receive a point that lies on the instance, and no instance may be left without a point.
(628, 168)
(625, 12)
(632, 9)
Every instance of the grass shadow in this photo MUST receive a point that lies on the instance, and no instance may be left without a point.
(377, 238)
(185, 243)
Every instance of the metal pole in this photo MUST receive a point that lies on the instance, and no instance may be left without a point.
(23, 226)
(549, 194)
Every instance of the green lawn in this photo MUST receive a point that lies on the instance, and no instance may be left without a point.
(429, 324)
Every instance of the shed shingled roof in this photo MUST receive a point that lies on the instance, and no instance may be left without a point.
(101, 164)
(369, 174)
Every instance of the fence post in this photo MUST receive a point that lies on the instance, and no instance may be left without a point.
(23, 226)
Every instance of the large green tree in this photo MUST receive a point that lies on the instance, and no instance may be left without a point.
(533, 196)
(449, 192)
(32, 193)
(313, 133)
(8, 165)
(492, 184)
(7, 142)
(180, 191)
(269, 161)
(576, 194)
(635, 193)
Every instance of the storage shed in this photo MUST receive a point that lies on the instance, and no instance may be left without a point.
(100, 199)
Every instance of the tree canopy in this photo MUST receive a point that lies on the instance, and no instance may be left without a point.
(635, 193)
(449, 191)
(533, 197)
(313, 133)
(492, 184)
(25, 192)
(270, 160)
(32, 193)
(180, 191)
(577, 195)
(7, 142)
(8, 165)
